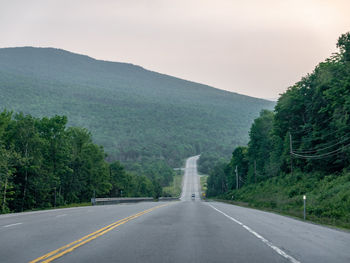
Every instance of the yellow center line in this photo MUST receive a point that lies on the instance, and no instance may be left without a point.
(77, 241)
(75, 244)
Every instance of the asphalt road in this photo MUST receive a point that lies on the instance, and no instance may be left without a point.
(190, 184)
(180, 231)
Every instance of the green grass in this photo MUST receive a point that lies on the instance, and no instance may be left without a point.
(174, 189)
(328, 197)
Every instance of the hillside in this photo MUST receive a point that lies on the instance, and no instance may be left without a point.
(134, 113)
(302, 148)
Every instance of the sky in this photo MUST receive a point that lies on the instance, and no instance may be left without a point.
(253, 47)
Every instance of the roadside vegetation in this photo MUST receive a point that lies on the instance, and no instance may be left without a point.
(175, 187)
(44, 164)
(327, 197)
(203, 182)
(302, 148)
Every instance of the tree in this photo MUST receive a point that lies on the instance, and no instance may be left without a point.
(260, 146)
(24, 137)
(90, 174)
(344, 45)
(7, 161)
(217, 183)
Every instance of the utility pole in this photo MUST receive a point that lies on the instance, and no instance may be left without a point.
(291, 151)
(255, 171)
(236, 178)
(55, 198)
(304, 198)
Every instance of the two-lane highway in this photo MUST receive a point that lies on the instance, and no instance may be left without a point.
(180, 231)
(190, 184)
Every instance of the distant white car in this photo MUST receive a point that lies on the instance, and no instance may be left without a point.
(193, 196)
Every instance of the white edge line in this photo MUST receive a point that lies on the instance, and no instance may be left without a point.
(278, 250)
(13, 224)
(61, 215)
(40, 211)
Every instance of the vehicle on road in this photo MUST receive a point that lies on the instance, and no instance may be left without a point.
(193, 196)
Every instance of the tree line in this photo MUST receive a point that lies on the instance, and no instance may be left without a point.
(308, 132)
(45, 164)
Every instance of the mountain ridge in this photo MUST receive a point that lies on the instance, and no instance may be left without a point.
(136, 66)
(149, 111)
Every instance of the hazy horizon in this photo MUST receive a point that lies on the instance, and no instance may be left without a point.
(255, 48)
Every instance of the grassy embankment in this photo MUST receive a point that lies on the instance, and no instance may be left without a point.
(328, 197)
(203, 181)
(174, 189)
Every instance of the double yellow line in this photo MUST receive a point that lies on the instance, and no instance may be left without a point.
(75, 244)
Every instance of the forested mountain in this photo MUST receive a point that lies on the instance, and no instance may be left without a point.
(134, 113)
(303, 147)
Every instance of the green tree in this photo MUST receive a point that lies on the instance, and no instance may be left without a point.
(240, 160)
(90, 174)
(344, 45)
(260, 145)
(24, 137)
(217, 181)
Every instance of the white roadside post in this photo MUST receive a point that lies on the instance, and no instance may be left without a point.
(304, 198)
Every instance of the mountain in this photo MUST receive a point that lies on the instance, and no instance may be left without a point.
(136, 114)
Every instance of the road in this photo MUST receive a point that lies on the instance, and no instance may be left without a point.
(179, 231)
(191, 183)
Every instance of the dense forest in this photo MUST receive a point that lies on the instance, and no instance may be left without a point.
(303, 147)
(139, 116)
(45, 164)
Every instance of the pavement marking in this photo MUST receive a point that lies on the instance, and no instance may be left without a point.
(75, 244)
(61, 215)
(278, 250)
(39, 212)
(13, 225)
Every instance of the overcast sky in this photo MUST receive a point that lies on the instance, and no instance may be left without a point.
(253, 47)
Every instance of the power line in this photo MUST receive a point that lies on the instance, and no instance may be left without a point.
(320, 156)
(322, 149)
